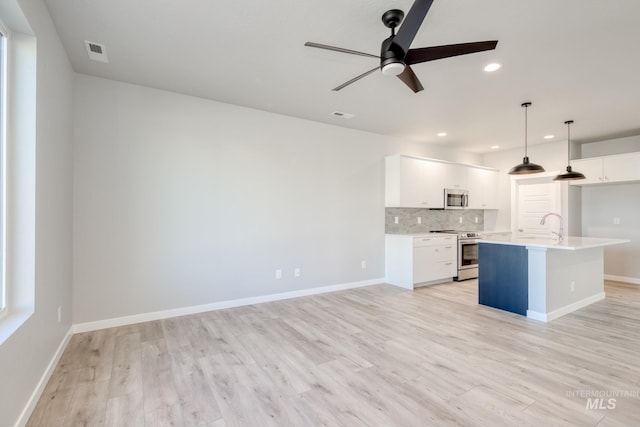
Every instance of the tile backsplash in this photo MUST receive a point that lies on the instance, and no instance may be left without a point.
(432, 220)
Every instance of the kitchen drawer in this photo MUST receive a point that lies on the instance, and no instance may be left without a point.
(431, 254)
(443, 253)
(433, 262)
(435, 240)
(445, 269)
(432, 270)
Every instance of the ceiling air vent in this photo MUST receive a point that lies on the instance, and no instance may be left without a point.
(96, 51)
(342, 115)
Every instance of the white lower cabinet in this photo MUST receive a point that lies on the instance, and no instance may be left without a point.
(416, 260)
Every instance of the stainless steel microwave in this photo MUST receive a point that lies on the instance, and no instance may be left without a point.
(455, 199)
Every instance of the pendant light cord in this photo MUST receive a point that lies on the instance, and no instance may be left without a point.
(526, 107)
(568, 123)
(568, 143)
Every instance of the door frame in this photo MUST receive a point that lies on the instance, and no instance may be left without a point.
(539, 178)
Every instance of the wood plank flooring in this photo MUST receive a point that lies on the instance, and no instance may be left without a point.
(374, 356)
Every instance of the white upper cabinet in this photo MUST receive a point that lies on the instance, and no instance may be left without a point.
(591, 168)
(622, 168)
(483, 188)
(414, 182)
(608, 169)
(455, 176)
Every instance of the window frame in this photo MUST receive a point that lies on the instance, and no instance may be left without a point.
(4, 46)
(19, 222)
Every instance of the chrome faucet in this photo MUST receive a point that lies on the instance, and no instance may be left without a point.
(560, 233)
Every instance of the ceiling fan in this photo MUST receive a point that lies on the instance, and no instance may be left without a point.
(395, 56)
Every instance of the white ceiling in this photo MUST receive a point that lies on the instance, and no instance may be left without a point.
(573, 59)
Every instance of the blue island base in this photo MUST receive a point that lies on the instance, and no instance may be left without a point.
(503, 277)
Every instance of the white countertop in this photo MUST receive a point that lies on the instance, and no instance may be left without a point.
(421, 234)
(571, 243)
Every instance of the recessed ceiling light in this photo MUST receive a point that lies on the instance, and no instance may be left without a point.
(495, 147)
(549, 136)
(442, 134)
(492, 67)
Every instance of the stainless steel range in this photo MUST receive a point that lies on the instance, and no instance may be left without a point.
(467, 253)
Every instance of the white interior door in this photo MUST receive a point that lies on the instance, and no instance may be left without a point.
(534, 200)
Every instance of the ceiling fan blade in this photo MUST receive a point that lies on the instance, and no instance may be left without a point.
(411, 25)
(424, 54)
(410, 79)
(355, 79)
(339, 49)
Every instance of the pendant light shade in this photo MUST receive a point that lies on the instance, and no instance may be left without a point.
(569, 175)
(526, 166)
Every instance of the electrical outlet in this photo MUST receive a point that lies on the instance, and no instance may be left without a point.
(395, 219)
(476, 220)
(573, 286)
(278, 274)
(460, 220)
(419, 220)
(616, 220)
(364, 264)
(296, 272)
(59, 314)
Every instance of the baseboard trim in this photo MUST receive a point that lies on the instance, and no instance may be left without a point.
(183, 311)
(552, 315)
(633, 280)
(37, 393)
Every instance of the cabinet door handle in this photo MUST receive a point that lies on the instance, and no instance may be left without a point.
(425, 240)
(448, 247)
(449, 263)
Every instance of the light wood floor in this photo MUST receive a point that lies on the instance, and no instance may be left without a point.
(374, 356)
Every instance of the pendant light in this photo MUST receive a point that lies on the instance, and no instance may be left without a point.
(525, 166)
(569, 175)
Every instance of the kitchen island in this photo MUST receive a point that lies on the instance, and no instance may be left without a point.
(541, 278)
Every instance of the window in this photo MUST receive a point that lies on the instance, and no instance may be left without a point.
(17, 172)
(3, 109)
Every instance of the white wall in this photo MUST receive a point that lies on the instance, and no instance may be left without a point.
(181, 201)
(602, 203)
(25, 355)
(609, 147)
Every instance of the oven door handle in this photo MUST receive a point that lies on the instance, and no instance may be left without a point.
(469, 241)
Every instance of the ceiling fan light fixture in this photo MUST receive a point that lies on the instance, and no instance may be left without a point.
(569, 175)
(393, 68)
(494, 66)
(526, 166)
(396, 54)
